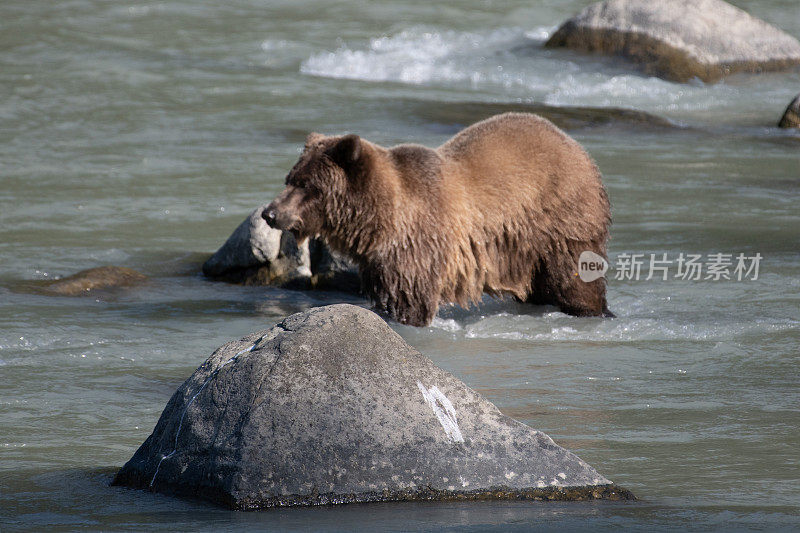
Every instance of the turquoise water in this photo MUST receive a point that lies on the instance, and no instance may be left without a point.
(141, 134)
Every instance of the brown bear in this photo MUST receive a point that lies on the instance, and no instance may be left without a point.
(504, 207)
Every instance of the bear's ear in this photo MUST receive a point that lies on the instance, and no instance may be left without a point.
(313, 138)
(346, 151)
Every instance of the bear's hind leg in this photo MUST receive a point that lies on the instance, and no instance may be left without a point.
(559, 285)
(579, 298)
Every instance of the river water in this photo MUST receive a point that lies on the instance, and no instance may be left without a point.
(141, 133)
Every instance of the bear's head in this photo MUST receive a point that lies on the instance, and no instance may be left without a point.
(318, 186)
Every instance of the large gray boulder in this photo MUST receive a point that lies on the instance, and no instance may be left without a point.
(680, 39)
(791, 117)
(332, 406)
(256, 254)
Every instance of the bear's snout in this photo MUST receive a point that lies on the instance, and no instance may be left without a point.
(269, 215)
(278, 217)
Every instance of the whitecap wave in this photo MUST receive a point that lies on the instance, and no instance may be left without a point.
(416, 56)
(513, 60)
(446, 324)
(520, 327)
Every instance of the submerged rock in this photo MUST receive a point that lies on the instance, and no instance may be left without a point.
(256, 254)
(791, 117)
(332, 406)
(680, 39)
(451, 117)
(85, 281)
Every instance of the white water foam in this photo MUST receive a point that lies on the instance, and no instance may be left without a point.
(521, 327)
(511, 58)
(416, 55)
(446, 324)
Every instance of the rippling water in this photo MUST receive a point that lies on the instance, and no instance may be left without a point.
(141, 134)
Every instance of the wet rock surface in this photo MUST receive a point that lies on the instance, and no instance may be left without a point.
(791, 117)
(92, 279)
(256, 254)
(680, 39)
(332, 406)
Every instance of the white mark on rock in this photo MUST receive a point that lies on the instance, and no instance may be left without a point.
(562, 475)
(447, 416)
(510, 475)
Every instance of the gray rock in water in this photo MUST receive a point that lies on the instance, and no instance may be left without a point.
(791, 117)
(332, 406)
(92, 279)
(254, 245)
(332, 270)
(256, 254)
(680, 39)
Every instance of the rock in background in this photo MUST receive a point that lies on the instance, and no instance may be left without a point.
(332, 406)
(680, 39)
(84, 282)
(256, 254)
(791, 117)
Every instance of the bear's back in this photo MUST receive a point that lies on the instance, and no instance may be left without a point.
(419, 167)
(516, 166)
(504, 143)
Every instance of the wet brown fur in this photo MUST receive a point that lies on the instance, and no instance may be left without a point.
(504, 207)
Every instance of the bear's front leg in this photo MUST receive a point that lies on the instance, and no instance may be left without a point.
(413, 301)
